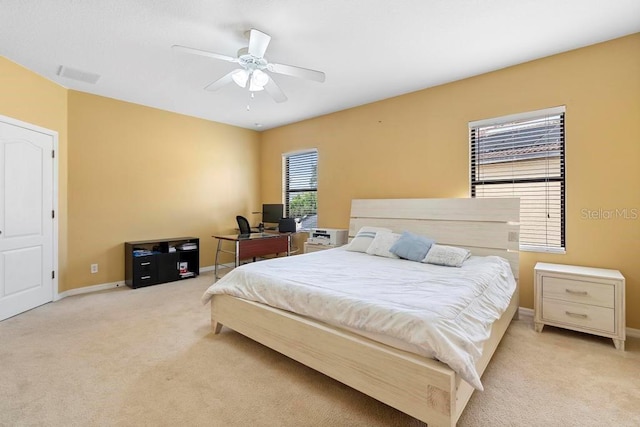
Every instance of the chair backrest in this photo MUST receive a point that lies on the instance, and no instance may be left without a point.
(243, 225)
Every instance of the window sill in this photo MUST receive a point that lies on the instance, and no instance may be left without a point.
(542, 249)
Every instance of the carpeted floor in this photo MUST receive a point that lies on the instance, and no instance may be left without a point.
(147, 357)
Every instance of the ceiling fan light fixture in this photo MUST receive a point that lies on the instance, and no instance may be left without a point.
(240, 77)
(259, 78)
(254, 87)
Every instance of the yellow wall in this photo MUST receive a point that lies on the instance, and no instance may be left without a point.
(128, 172)
(416, 145)
(139, 173)
(30, 98)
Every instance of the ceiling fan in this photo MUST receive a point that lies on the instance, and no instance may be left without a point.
(254, 67)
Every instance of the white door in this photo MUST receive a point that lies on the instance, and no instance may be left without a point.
(27, 251)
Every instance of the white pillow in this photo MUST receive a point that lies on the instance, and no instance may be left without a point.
(364, 237)
(382, 243)
(449, 256)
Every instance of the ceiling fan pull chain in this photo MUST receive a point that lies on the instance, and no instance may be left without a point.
(251, 96)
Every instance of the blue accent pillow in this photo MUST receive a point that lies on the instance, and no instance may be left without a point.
(412, 246)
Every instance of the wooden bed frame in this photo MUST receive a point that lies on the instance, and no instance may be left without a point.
(423, 388)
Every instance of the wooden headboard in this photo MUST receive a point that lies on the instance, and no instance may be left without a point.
(484, 226)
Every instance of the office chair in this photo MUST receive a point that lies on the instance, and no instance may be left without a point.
(243, 225)
(245, 228)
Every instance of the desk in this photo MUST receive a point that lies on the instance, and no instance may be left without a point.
(253, 245)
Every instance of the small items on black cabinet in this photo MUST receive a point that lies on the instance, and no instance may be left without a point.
(150, 262)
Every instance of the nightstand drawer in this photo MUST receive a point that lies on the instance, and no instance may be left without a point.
(585, 316)
(578, 291)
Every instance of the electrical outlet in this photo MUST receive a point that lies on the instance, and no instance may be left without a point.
(94, 268)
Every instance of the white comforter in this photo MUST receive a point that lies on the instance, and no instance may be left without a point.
(443, 313)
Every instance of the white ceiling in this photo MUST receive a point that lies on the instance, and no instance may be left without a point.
(369, 49)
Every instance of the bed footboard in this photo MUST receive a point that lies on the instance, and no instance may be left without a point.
(420, 387)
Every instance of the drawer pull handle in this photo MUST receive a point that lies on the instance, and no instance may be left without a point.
(580, 315)
(145, 263)
(145, 277)
(572, 292)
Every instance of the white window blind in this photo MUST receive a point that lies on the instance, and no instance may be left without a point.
(301, 187)
(523, 156)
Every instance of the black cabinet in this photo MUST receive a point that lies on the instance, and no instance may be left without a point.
(149, 262)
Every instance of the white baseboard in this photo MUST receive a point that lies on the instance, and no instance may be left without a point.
(634, 333)
(528, 312)
(89, 289)
(119, 284)
(229, 265)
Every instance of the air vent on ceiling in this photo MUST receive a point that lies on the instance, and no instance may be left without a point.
(75, 74)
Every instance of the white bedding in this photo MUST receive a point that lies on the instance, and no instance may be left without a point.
(443, 313)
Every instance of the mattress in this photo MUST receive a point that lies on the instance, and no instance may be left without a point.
(438, 312)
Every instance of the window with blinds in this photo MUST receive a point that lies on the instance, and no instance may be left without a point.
(301, 187)
(523, 156)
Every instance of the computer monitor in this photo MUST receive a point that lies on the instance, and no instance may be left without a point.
(272, 213)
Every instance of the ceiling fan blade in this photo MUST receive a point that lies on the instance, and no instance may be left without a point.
(226, 79)
(303, 73)
(204, 53)
(274, 91)
(258, 42)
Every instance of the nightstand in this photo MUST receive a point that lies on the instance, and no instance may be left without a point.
(583, 299)
(310, 247)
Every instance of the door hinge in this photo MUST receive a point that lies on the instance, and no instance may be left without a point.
(53, 214)
(53, 274)
(53, 154)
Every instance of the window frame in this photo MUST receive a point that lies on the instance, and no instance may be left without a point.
(474, 170)
(287, 191)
